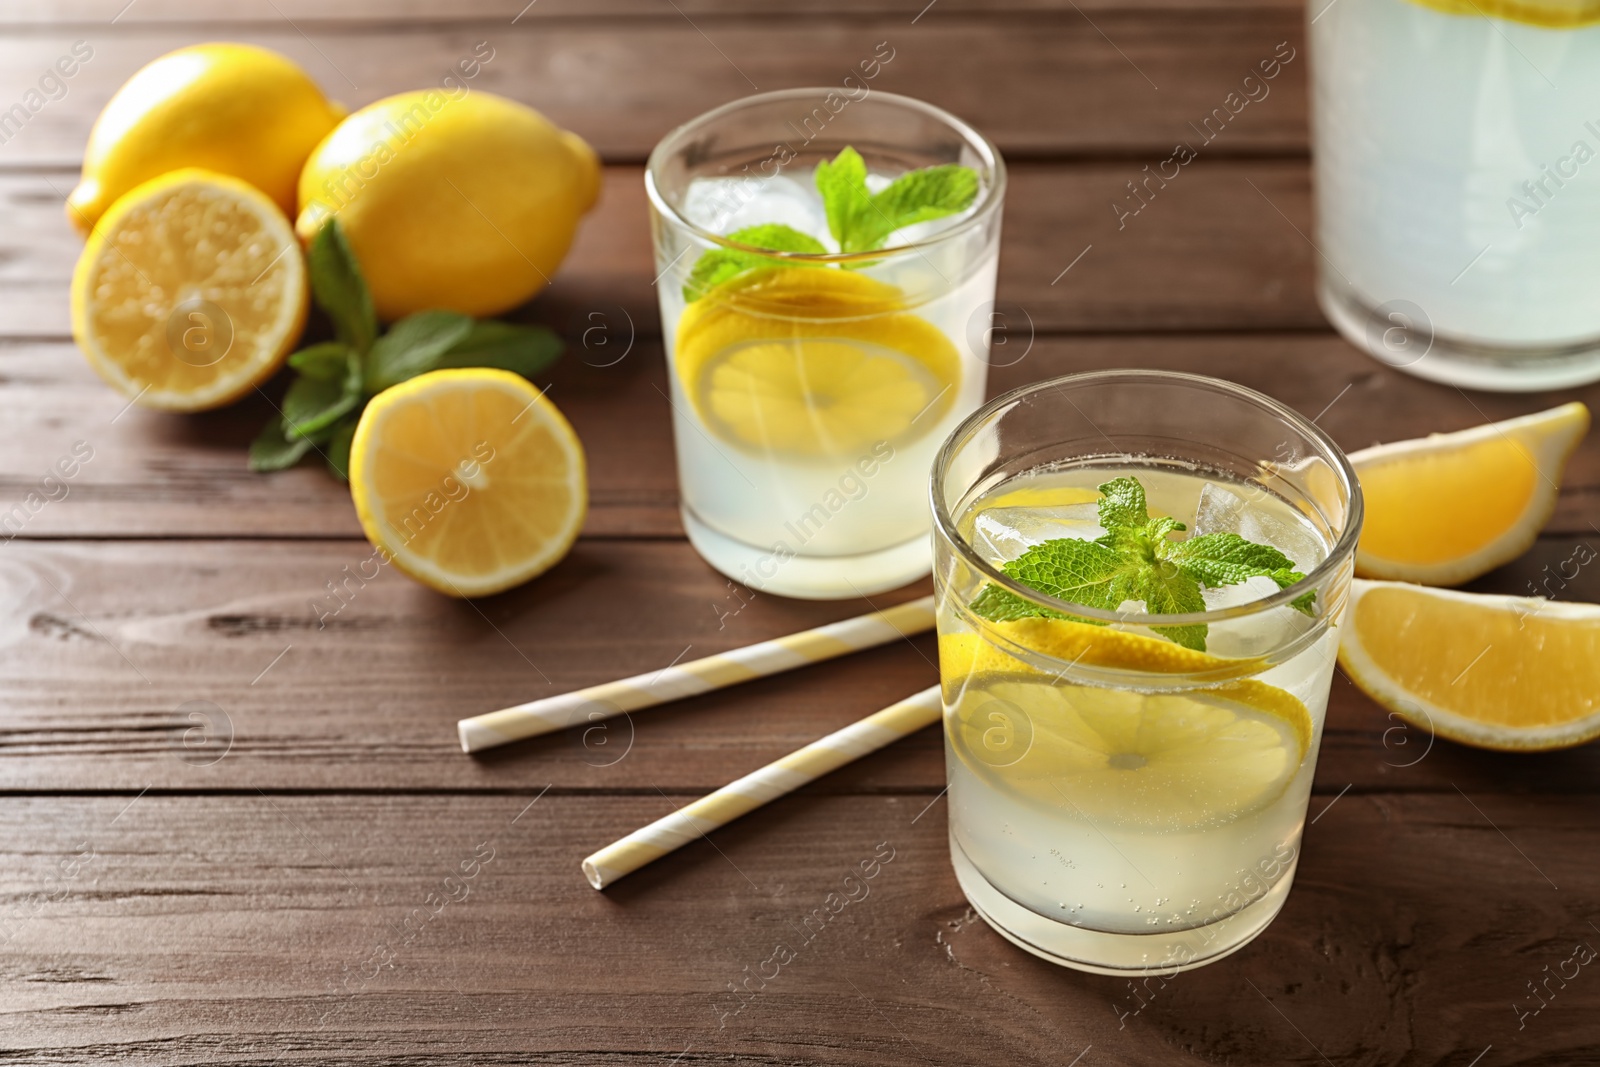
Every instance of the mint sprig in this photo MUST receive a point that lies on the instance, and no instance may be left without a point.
(335, 379)
(1137, 559)
(858, 219)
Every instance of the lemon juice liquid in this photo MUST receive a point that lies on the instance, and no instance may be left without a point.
(808, 406)
(823, 334)
(1133, 822)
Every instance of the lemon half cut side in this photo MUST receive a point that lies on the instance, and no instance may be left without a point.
(469, 480)
(190, 292)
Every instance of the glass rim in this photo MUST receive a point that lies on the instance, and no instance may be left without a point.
(992, 198)
(1322, 574)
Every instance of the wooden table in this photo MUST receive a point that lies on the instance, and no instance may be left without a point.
(233, 835)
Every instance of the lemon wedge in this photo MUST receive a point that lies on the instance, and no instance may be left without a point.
(1499, 672)
(1444, 509)
(812, 363)
(190, 291)
(1153, 761)
(469, 480)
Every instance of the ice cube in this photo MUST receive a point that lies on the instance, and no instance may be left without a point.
(1003, 534)
(1223, 510)
(1227, 596)
(724, 205)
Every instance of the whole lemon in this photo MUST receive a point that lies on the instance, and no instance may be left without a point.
(231, 108)
(459, 200)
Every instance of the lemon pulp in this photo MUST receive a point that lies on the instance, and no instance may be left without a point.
(1117, 757)
(812, 363)
(190, 292)
(1444, 509)
(470, 480)
(1506, 673)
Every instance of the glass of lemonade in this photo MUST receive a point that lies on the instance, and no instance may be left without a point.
(1457, 164)
(810, 388)
(1128, 785)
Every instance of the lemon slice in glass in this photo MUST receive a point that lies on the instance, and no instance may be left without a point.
(1117, 757)
(813, 363)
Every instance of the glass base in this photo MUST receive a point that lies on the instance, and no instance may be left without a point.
(810, 577)
(1391, 334)
(1103, 952)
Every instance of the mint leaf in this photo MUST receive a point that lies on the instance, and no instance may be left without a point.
(1226, 559)
(722, 264)
(413, 346)
(917, 196)
(339, 288)
(1170, 591)
(314, 404)
(845, 198)
(1136, 560)
(858, 219)
(524, 350)
(1084, 572)
(1122, 504)
(1002, 605)
(330, 359)
(272, 450)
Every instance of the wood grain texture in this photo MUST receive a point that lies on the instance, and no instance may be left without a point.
(155, 474)
(1211, 252)
(232, 799)
(364, 13)
(117, 654)
(1040, 83)
(252, 929)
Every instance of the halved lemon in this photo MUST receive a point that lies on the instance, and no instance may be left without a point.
(813, 363)
(470, 480)
(1444, 509)
(190, 292)
(1501, 672)
(1151, 761)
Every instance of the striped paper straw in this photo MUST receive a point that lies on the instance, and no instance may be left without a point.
(697, 676)
(756, 788)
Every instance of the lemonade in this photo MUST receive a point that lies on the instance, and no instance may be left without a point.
(1457, 185)
(813, 371)
(1128, 793)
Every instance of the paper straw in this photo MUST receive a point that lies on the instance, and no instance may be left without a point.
(697, 676)
(756, 788)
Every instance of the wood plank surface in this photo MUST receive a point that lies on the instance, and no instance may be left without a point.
(1212, 252)
(116, 653)
(231, 799)
(1049, 83)
(253, 929)
(392, 12)
(156, 474)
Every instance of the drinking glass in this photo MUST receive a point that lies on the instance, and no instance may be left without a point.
(1457, 193)
(809, 391)
(1119, 802)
